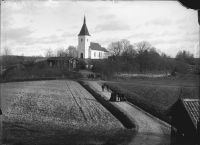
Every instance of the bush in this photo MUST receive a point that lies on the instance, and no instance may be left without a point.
(181, 67)
(41, 65)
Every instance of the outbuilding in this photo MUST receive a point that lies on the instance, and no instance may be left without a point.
(185, 126)
(68, 63)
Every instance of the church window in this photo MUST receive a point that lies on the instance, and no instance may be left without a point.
(94, 54)
(81, 40)
(99, 54)
(87, 40)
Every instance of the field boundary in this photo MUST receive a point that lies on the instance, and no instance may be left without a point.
(31, 79)
(138, 82)
(115, 111)
(139, 104)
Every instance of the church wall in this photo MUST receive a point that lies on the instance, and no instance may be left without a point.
(83, 46)
(95, 54)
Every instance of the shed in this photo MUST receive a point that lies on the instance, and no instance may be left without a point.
(57, 61)
(185, 121)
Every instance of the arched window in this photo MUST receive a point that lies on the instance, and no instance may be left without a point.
(81, 55)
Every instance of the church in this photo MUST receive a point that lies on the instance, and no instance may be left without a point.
(87, 49)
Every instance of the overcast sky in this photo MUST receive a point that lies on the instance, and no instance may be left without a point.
(31, 27)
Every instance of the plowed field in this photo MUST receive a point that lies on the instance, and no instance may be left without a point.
(56, 112)
(155, 99)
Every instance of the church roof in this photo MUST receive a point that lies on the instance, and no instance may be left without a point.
(84, 29)
(96, 46)
(104, 49)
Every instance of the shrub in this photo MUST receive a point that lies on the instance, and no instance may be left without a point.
(41, 65)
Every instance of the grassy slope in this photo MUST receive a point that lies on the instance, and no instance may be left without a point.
(154, 95)
(56, 112)
(168, 81)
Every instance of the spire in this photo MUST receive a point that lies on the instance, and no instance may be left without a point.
(84, 30)
(84, 20)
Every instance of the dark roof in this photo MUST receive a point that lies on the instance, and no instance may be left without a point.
(58, 58)
(96, 46)
(104, 49)
(84, 29)
(191, 106)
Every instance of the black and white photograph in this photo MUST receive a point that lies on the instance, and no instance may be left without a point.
(99, 73)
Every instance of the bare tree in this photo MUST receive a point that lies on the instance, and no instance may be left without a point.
(61, 52)
(128, 55)
(71, 51)
(119, 47)
(7, 60)
(185, 56)
(125, 45)
(7, 51)
(142, 57)
(115, 48)
(49, 53)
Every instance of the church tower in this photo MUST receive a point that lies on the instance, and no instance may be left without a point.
(84, 42)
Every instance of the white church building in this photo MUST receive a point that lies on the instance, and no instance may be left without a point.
(87, 49)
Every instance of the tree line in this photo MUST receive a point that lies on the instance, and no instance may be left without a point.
(61, 52)
(124, 57)
(7, 59)
(142, 57)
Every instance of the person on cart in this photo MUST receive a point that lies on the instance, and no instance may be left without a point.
(123, 97)
(112, 97)
(102, 87)
(107, 88)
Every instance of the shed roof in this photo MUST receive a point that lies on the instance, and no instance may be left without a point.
(97, 46)
(191, 106)
(58, 58)
(40, 59)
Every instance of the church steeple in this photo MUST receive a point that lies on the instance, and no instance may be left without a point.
(84, 30)
(84, 20)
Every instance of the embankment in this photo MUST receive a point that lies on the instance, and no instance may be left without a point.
(119, 114)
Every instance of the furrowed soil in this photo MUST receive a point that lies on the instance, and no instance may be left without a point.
(57, 112)
(190, 81)
(156, 97)
(150, 130)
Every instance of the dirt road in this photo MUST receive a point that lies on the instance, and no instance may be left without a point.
(150, 129)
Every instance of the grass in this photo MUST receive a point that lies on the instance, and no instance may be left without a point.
(56, 112)
(187, 81)
(120, 115)
(156, 97)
